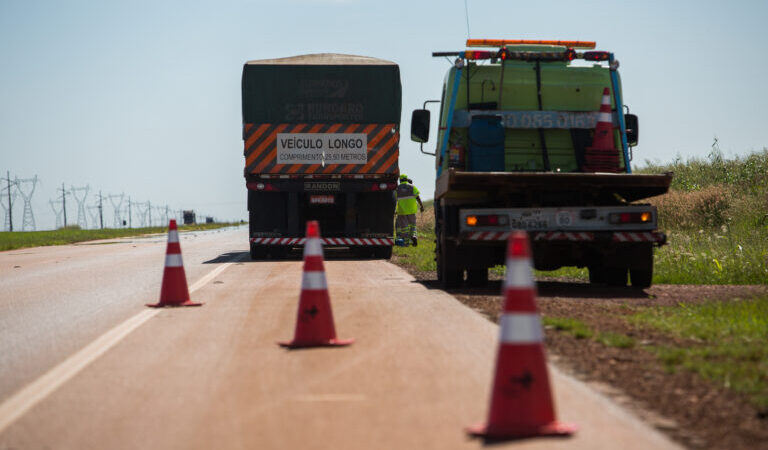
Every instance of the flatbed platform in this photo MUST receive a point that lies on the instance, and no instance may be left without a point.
(630, 187)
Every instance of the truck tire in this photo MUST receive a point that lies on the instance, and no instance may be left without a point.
(278, 251)
(383, 252)
(597, 274)
(477, 277)
(448, 272)
(258, 252)
(641, 274)
(616, 276)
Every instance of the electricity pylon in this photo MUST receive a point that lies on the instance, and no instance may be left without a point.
(28, 217)
(58, 210)
(93, 211)
(117, 202)
(8, 193)
(81, 219)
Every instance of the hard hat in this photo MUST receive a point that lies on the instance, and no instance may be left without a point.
(403, 177)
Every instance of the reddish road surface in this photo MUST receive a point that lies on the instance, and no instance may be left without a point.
(85, 365)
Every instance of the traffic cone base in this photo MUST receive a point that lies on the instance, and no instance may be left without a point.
(550, 429)
(307, 344)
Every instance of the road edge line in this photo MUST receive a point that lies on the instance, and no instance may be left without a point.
(18, 404)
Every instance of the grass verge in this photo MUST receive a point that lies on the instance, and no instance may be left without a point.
(726, 342)
(24, 239)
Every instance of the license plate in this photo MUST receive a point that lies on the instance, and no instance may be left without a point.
(528, 221)
(321, 199)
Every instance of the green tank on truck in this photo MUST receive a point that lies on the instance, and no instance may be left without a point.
(535, 135)
(321, 139)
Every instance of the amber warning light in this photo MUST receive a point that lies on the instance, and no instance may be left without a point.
(505, 42)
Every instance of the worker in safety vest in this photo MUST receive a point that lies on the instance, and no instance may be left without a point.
(408, 202)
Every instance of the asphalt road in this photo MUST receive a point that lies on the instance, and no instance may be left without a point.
(83, 364)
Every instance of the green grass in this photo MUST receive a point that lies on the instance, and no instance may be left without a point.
(611, 339)
(422, 257)
(724, 256)
(574, 327)
(727, 342)
(70, 235)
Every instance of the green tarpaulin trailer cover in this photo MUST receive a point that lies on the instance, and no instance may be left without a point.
(321, 88)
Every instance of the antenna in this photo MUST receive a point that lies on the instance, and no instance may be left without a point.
(81, 219)
(28, 218)
(117, 201)
(466, 14)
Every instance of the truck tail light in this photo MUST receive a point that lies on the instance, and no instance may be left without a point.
(596, 56)
(633, 217)
(261, 186)
(383, 186)
(487, 220)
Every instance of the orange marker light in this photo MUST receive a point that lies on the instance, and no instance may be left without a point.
(471, 221)
(645, 217)
(505, 42)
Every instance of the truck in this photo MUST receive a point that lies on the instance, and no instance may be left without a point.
(535, 136)
(321, 137)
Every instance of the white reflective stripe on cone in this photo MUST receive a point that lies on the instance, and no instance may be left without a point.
(604, 117)
(519, 273)
(173, 260)
(521, 328)
(313, 281)
(173, 236)
(313, 247)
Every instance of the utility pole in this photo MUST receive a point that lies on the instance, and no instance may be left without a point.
(64, 203)
(10, 204)
(101, 212)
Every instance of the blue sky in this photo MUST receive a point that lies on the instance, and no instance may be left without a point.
(143, 97)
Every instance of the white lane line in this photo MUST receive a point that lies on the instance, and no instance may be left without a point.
(32, 394)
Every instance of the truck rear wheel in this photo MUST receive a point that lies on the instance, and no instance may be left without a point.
(616, 276)
(383, 252)
(477, 277)
(258, 252)
(448, 272)
(641, 274)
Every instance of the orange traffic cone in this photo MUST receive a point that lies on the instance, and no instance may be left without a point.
(521, 401)
(314, 321)
(174, 291)
(602, 156)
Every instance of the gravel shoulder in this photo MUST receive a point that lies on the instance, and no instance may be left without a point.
(693, 411)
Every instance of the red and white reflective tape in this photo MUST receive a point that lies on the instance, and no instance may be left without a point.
(313, 281)
(629, 236)
(173, 260)
(325, 241)
(564, 236)
(488, 235)
(519, 273)
(521, 328)
(313, 247)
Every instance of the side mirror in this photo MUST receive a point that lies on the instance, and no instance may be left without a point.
(633, 130)
(420, 125)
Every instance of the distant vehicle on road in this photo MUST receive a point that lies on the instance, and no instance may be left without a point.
(189, 217)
